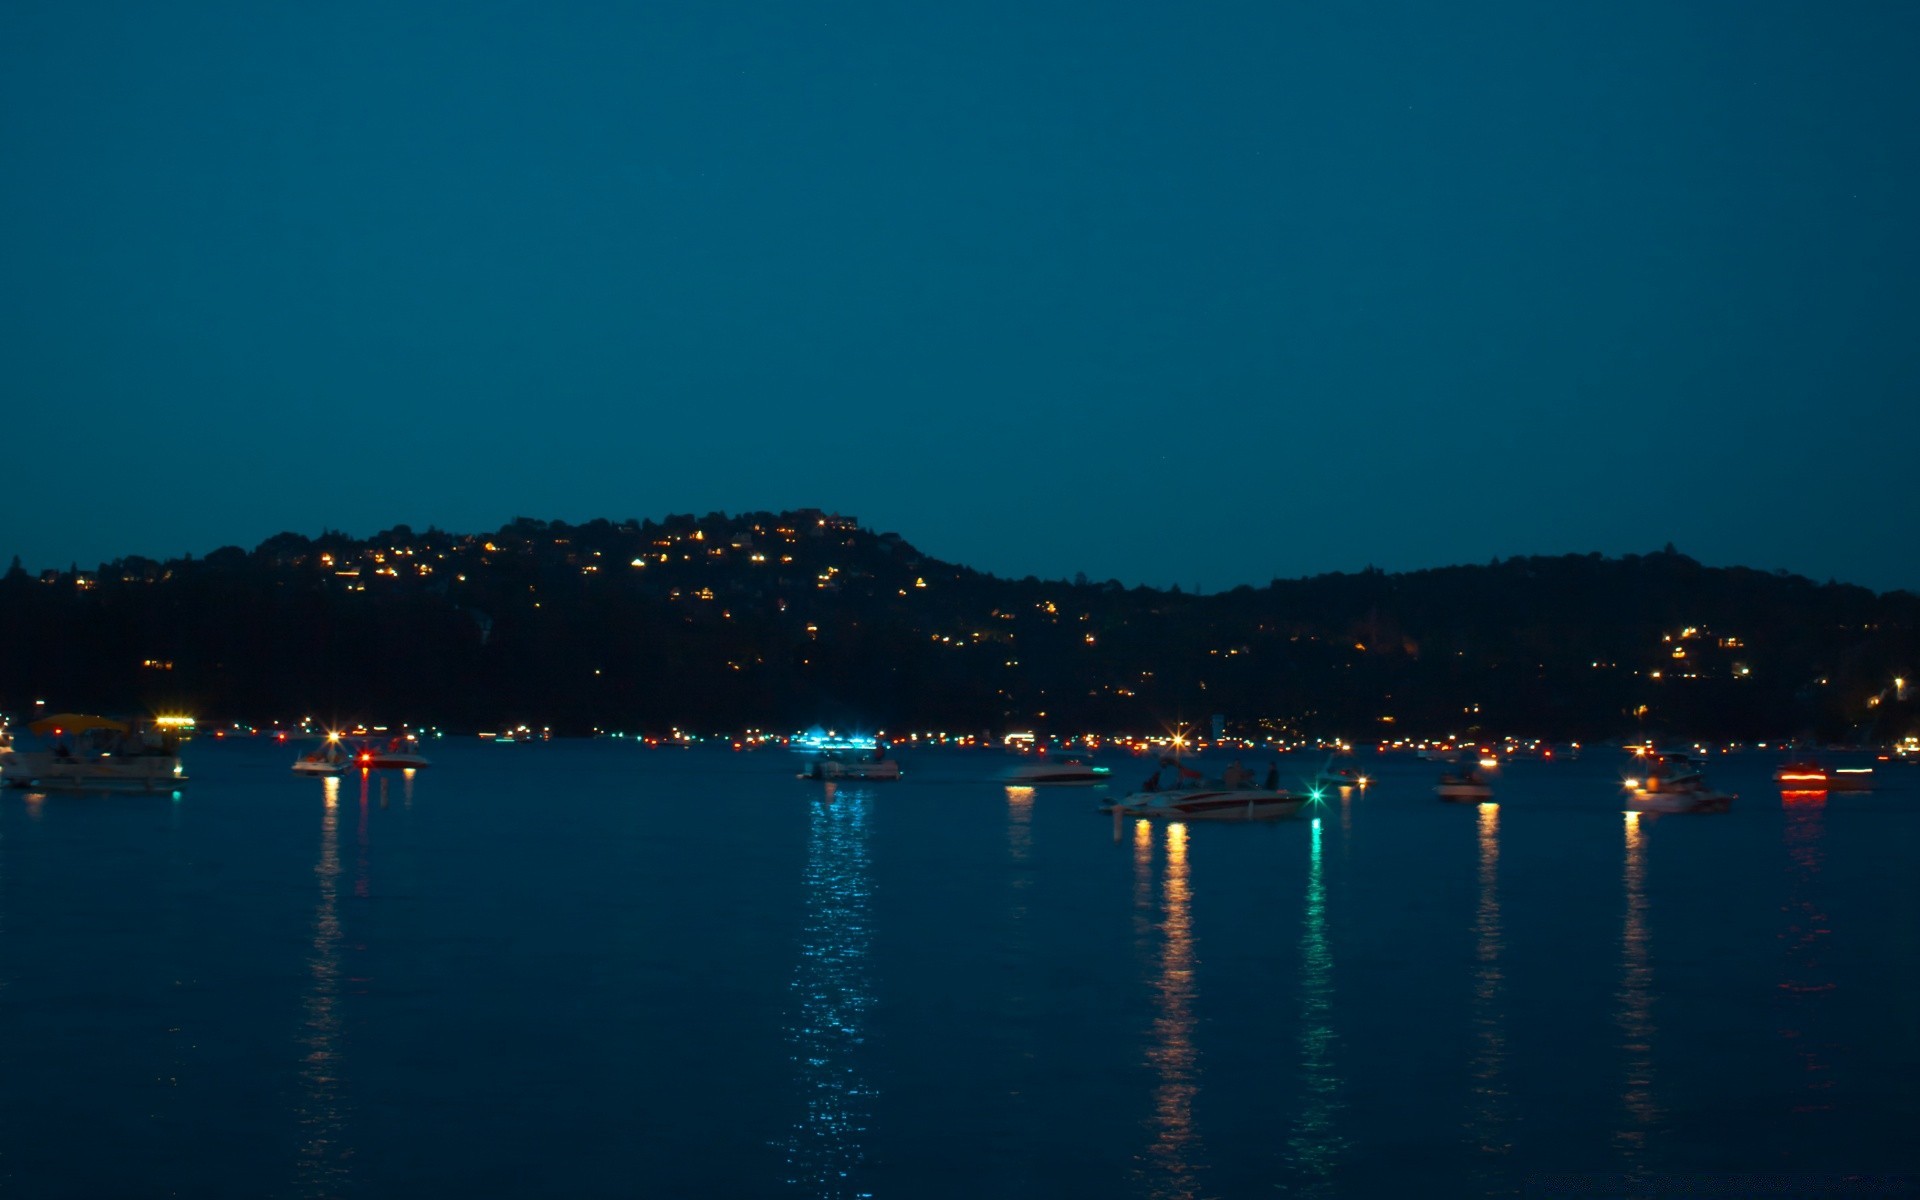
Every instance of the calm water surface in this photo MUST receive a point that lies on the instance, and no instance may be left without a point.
(595, 969)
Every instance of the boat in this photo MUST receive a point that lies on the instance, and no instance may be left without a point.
(854, 756)
(92, 753)
(330, 759)
(1809, 775)
(1676, 783)
(1210, 804)
(1465, 787)
(845, 765)
(1701, 800)
(1339, 777)
(401, 754)
(1065, 770)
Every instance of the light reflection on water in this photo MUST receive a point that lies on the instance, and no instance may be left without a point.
(1172, 1053)
(832, 994)
(1020, 845)
(1808, 983)
(1635, 1000)
(1488, 1125)
(1142, 880)
(1315, 1146)
(322, 1167)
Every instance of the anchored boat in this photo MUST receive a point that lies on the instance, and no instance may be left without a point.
(86, 753)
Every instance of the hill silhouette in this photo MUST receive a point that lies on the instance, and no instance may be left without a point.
(781, 620)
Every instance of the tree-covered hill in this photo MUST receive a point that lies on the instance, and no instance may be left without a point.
(780, 620)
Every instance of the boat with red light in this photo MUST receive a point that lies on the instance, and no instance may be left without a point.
(1809, 775)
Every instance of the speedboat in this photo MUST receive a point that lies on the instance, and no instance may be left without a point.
(1810, 776)
(328, 760)
(1466, 788)
(1339, 777)
(92, 753)
(1210, 804)
(400, 754)
(1676, 783)
(1065, 770)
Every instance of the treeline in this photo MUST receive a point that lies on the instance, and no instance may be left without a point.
(781, 620)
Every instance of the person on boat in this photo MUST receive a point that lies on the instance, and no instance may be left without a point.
(1272, 783)
(1236, 777)
(1153, 782)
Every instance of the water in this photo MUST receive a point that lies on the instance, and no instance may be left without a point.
(595, 969)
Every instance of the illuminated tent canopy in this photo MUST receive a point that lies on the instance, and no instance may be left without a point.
(75, 723)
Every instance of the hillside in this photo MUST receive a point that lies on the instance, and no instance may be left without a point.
(782, 620)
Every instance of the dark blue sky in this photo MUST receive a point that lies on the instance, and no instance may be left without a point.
(1202, 294)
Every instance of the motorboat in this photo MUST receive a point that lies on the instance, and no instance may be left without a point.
(1052, 771)
(91, 753)
(1808, 775)
(1465, 787)
(849, 757)
(400, 754)
(840, 766)
(330, 759)
(1210, 804)
(1676, 783)
(1339, 777)
(1701, 800)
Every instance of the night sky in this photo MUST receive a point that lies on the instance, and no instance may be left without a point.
(1197, 294)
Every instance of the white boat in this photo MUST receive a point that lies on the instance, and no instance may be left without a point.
(90, 754)
(1210, 804)
(328, 760)
(1467, 788)
(1049, 771)
(838, 766)
(1676, 783)
(401, 754)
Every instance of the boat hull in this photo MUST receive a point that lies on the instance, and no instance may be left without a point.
(397, 762)
(874, 772)
(1237, 805)
(1810, 778)
(1050, 776)
(1703, 801)
(45, 771)
(1463, 793)
(304, 767)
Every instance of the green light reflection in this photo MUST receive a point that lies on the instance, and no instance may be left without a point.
(1315, 1145)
